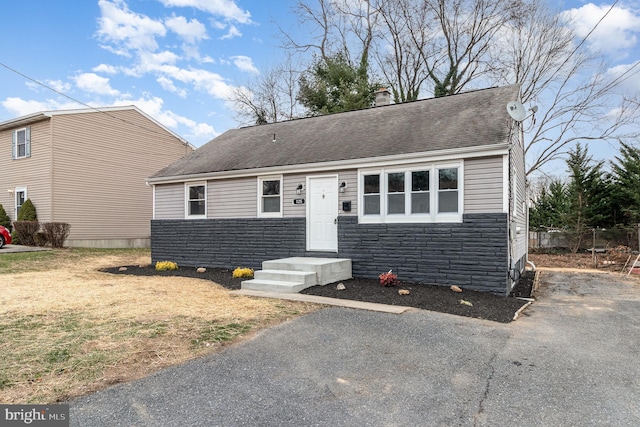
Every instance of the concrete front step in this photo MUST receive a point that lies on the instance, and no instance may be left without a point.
(278, 286)
(328, 270)
(290, 275)
(306, 277)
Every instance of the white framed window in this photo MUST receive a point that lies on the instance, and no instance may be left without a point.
(21, 143)
(371, 194)
(195, 200)
(270, 197)
(20, 195)
(448, 190)
(423, 193)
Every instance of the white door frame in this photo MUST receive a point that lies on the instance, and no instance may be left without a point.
(308, 211)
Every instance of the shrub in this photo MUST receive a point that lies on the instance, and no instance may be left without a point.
(388, 279)
(27, 212)
(40, 239)
(56, 233)
(243, 272)
(25, 232)
(166, 266)
(4, 218)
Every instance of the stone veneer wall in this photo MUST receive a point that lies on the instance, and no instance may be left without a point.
(227, 243)
(472, 254)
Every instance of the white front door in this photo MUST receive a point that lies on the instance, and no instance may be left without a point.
(322, 214)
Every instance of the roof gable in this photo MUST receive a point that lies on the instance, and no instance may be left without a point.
(470, 119)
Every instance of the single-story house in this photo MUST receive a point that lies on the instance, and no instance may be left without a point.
(432, 189)
(88, 168)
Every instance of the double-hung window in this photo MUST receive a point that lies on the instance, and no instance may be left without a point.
(196, 200)
(21, 143)
(448, 190)
(428, 193)
(270, 197)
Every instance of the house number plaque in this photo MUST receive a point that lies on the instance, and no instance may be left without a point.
(298, 201)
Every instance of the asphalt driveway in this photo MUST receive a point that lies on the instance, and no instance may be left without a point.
(572, 359)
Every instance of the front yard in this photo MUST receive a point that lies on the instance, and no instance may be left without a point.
(68, 329)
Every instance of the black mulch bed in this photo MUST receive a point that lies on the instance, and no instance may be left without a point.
(428, 297)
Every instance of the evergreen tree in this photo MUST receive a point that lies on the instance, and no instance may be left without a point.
(587, 194)
(626, 185)
(551, 208)
(27, 212)
(334, 85)
(4, 218)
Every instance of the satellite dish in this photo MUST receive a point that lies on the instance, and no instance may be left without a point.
(516, 111)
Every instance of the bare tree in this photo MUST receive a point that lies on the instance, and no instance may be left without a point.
(456, 45)
(270, 98)
(401, 47)
(577, 98)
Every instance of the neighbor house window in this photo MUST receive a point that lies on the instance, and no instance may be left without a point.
(196, 200)
(417, 194)
(21, 196)
(270, 197)
(21, 143)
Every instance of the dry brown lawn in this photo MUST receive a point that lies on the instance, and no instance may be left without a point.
(68, 329)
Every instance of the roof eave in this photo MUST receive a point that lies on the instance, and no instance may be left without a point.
(23, 120)
(370, 162)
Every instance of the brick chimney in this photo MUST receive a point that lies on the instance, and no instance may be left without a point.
(383, 97)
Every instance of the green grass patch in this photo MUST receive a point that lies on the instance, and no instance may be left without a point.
(214, 333)
(49, 260)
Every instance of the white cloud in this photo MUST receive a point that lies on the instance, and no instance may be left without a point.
(630, 81)
(227, 9)
(104, 68)
(154, 107)
(233, 32)
(125, 29)
(245, 64)
(21, 107)
(168, 85)
(617, 32)
(93, 83)
(191, 31)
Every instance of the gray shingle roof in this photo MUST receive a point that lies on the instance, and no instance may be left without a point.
(466, 120)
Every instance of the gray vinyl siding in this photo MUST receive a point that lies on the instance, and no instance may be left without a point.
(519, 212)
(232, 198)
(351, 192)
(169, 201)
(292, 181)
(484, 185)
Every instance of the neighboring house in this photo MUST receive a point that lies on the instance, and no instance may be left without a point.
(433, 190)
(87, 168)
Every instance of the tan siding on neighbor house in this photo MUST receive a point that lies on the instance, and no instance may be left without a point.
(101, 162)
(232, 198)
(33, 173)
(483, 185)
(169, 201)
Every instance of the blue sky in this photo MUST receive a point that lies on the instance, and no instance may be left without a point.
(179, 60)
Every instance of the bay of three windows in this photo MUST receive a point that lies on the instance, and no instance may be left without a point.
(427, 194)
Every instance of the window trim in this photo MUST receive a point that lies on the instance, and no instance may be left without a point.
(260, 213)
(27, 143)
(15, 200)
(408, 217)
(187, 187)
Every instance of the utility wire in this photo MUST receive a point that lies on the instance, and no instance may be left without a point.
(84, 104)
